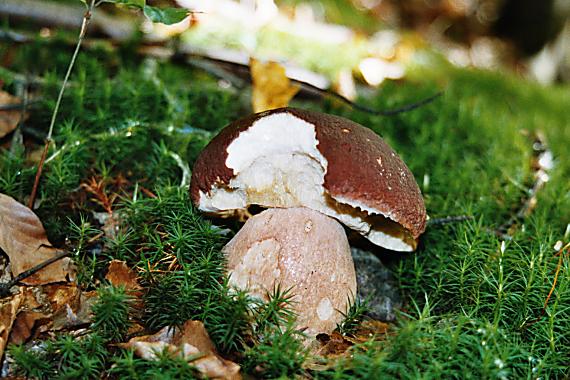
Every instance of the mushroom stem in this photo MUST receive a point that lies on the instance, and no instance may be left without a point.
(298, 249)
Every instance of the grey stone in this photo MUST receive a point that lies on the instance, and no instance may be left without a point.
(376, 282)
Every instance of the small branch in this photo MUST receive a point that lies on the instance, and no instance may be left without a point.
(560, 253)
(82, 32)
(306, 86)
(5, 288)
(214, 65)
(34, 193)
(448, 220)
(542, 163)
(359, 107)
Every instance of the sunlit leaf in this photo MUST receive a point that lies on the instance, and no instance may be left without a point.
(271, 87)
(165, 15)
(132, 3)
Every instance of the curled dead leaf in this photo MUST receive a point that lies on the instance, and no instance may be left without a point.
(24, 240)
(8, 310)
(332, 345)
(10, 119)
(49, 308)
(369, 329)
(25, 325)
(271, 87)
(119, 274)
(191, 342)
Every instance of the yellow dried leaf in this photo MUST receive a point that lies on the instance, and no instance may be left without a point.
(271, 87)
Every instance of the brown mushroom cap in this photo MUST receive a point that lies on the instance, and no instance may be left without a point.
(301, 249)
(364, 183)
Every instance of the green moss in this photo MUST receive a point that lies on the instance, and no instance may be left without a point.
(124, 121)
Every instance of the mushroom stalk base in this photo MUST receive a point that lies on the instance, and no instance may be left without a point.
(298, 249)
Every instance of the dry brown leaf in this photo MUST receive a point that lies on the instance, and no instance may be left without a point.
(190, 341)
(8, 310)
(370, 329)
(24, 325)
(271, 87)
(119, 274)
(8, 119)
(75, 313)
(334, 345)
(69, 306)
(47, 308)
(24, 240)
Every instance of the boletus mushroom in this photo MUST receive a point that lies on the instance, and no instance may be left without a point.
(309, 168)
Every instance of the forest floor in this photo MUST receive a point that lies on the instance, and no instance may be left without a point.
(487, 297)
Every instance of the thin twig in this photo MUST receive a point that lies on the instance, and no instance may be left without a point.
(560, 254)
(32, 199)
(19, 106)
(84, 24)
(359, 107)
(82, 32)
(542, 162)
(561, 257)
(5, 288)
(309, 87)
(448, 220)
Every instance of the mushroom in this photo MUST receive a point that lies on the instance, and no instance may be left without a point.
(298, 249)
(295, 158)
(309, 169)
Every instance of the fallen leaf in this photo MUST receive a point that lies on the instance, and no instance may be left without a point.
(191, 342)
(271, 87)
(24, 325)
(119, 274)
(73, 315)
(8, 310)
(333, 345)
(24, 240)
(59, 295)
(47, 308)
(9, 120)
(370, 328)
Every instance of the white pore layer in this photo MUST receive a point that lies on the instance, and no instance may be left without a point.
(276, 163)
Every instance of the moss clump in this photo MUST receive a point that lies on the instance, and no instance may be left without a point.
(123, 123)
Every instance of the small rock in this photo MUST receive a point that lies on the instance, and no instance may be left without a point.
(375, 281)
